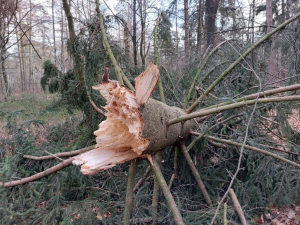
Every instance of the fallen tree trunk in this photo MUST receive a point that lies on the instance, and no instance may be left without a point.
(133, 128)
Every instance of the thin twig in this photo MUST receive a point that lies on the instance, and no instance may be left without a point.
(261, 94)
(276, 156)
(60, 154)
(53, 155)
(209, 129)
(175, 174)
(200, 70)
(281, 138)
(87, 90)
(225, 214)
(139, 183)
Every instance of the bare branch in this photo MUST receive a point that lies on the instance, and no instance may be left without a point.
(219, 108)
(61, 154)
(233, 65)
(40, 175)
(276, 156)
(195, 173)
(237, 207)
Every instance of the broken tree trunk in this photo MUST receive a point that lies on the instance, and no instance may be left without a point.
(133, 128)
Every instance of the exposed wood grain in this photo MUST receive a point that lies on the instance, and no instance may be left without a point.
(145, 83)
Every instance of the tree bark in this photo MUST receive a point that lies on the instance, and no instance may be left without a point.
(21, 59)
(272, 58)
(134, 42)
(166, 191)
(129, 191)
(126, 42)
(53, 30)
(142, 7)
(210, 20)
(199, 27)
(62, 42)
(72, 36)
(30, 77)
(186, 33)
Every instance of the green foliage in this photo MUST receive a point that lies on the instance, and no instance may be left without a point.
(51, 77)
(164, 33)
(68, 197)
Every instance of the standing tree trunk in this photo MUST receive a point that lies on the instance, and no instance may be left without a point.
(134, 43)
(53, 28)
(269, 15)
(210, 20)
(126, 42)
(199, 28)
(176, 37)
(186, 33)
(21, 58)
(143, 52)
(72, 35)
(272, 59)
(62, 42)
(30, 77)
(3, 74)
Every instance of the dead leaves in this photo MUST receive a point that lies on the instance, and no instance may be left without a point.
(287, 216)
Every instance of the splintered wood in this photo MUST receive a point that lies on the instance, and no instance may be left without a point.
(135, 125)
(119, 136)
(146, 83)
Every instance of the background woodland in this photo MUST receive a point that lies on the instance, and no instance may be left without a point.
(48, 65)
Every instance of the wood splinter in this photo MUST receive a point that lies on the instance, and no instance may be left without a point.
(134, 127)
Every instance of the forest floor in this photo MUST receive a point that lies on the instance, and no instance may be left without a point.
(33, 106)
(38, 106)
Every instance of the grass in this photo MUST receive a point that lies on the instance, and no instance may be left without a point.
(37, 106)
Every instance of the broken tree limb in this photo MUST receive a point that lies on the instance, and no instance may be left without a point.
(144, 177)
(217, 108)
(60, 154)
(129, 191)
(195, 173)
(166, 191)
(237, 207)
(40, 175)
(261, 94)
(241, 58)
(229, 142)
(131, 130)
(158, 158)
